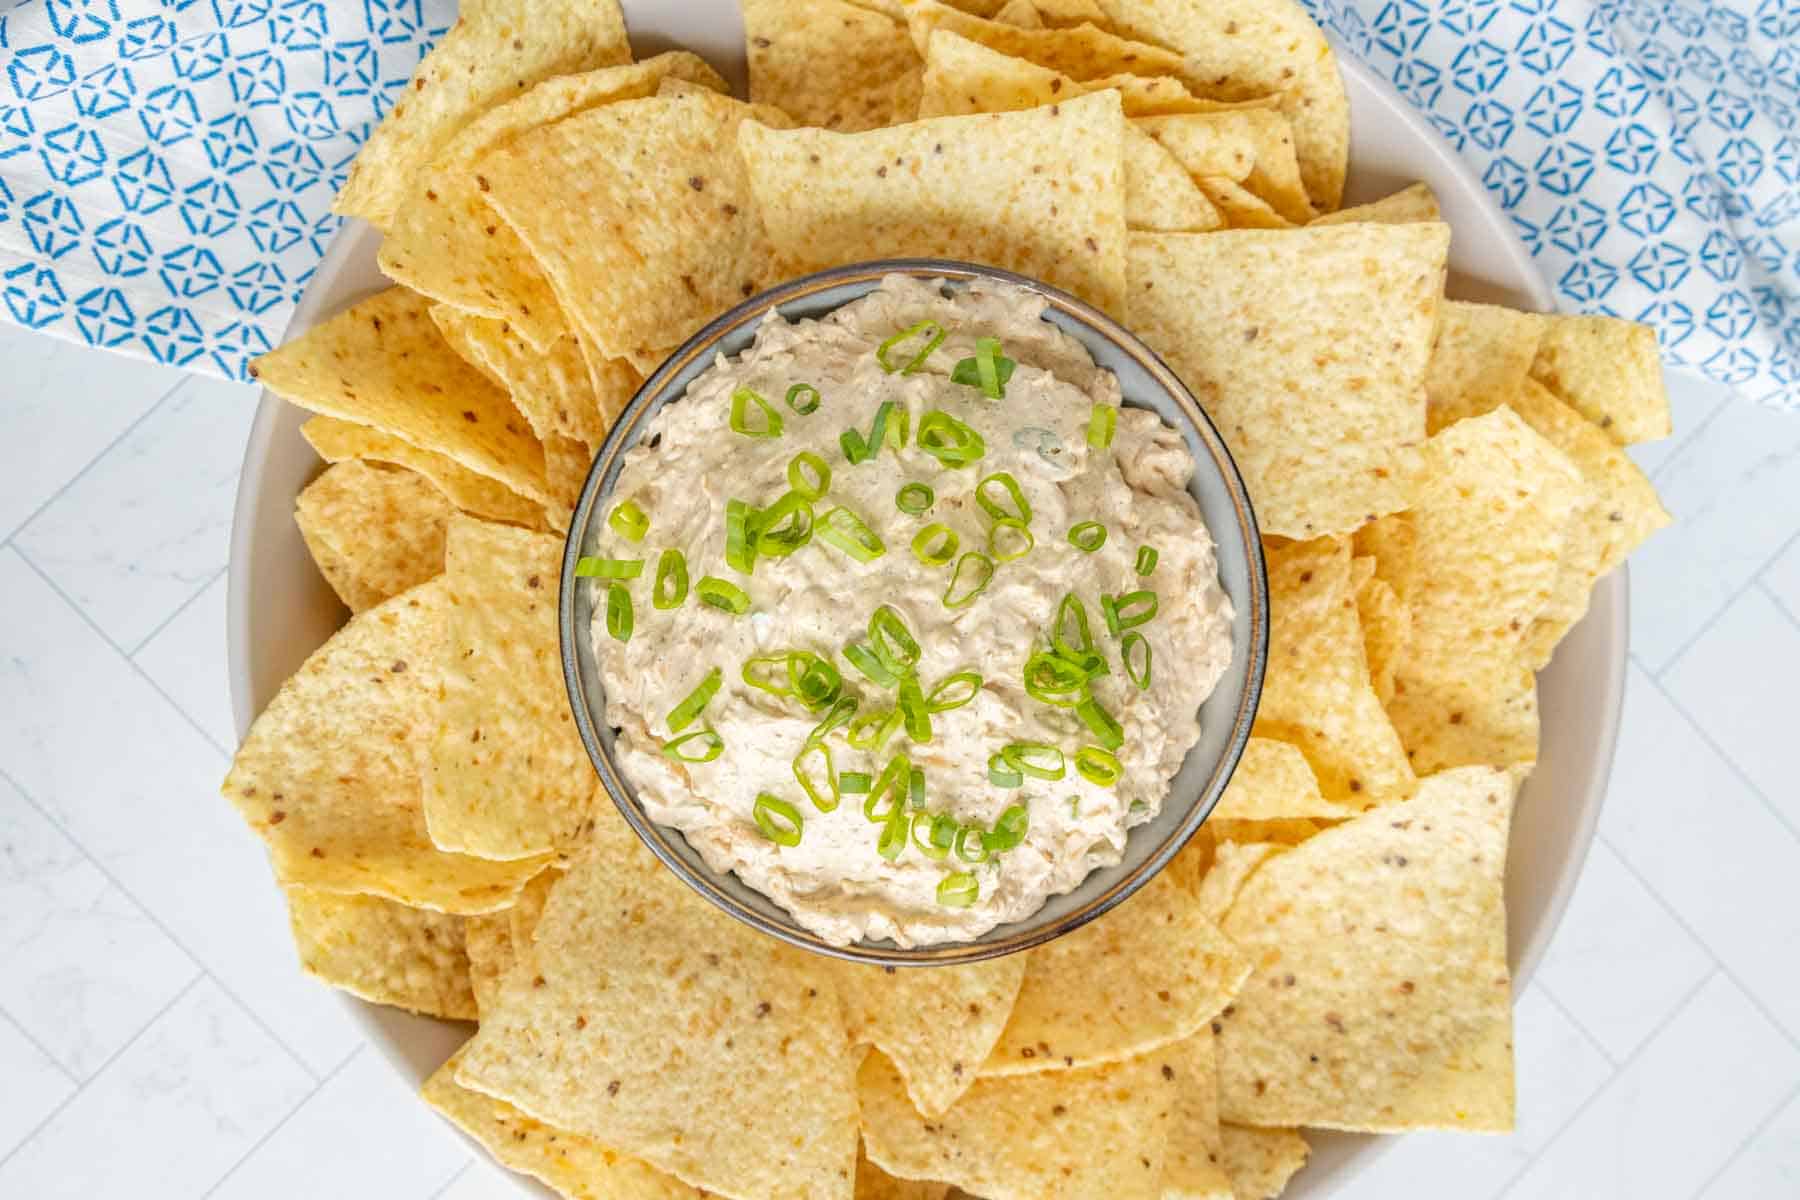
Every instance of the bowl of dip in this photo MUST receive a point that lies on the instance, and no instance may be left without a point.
(914, 612)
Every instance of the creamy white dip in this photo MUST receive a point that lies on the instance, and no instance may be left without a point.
(690, 463)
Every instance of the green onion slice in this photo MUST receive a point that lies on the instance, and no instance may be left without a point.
(865, 660)
(949, 440)
(784, 526)
(893, 641)
(1146, 559)
(940, 554)
(683, 714)
(959, 889)
(810, 765)
(609, 568)
(1002, 773)
(1100, 723)
(812, 680)
(930, 334)
(913, 710)
(974, 571)
(741, 400)
(1070, 634)
(1009, 540)
(700, 746)
(1101, 424)
(671, 587)
(853, 783)
(969, 372)
(1088, 536)
(953, 691)
(1128, 611)
(987, 366)
(809, 475)
(1009, 830)
(914, 499)
(1135, 652)
(1010, 503)
(871, 730)
(618, 613)
(723, 594)
(891, 785)
(769, 673)
(1052, 679)
(966, 835)
(803, 398)
(915, 789)
(629, 520)
(893, 835)
(841, 711)
(855, 449)
(740, 536)
(939, 831)
(1099, 767)
(779, 821)
(845, 530)
(1035, 759)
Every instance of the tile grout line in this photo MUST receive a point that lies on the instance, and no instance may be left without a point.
(1781, 605)
(1712, 618)
(1567, 1015)
(199, 977)
(276, 1128)
(468, 1165)
(1689, 439)
(162, 927)
(1661, 1026)
(1781, 818)
(179, 609)
(1749, 1141)
(42, 1049)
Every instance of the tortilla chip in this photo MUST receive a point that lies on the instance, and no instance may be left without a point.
(447, 243)
(1240, 49)
(329, 774)
(831, 64)
(1159, 196)
(642, 1017)
(1241, 207)
(1273, 782)
(384, 364)
(1609, 371)
(385, 527)
(1194, 1169)
(1022, 13)
(571, 1165)
(936, 1024)
(1415, 202)
(496, 49)
(1052, 207)
(639, 259)
(1233, 864)
(1386, 628)
(1253, 147)
(962, 76)
(553, 389)
(336, 571)
(1097, 1132)
(1307, 348)
(1285, 831)
(1381, 1000)
(873, 1183)
(1480, 358)
(1083, 52)
(1060, 14)
(1148, 973)
(384, 952)
(509, 777)
(336, 441)
(1317, 694)
(567, 461)
(488, 940)
(1261, 1161)
(1493, 518)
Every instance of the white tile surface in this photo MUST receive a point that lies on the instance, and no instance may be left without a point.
(1782, 579)
(480, 1181)
(186, 659)
(86, 969)
(1692, 399)
(123, 542)
(35, 1086)
(1769, 1166)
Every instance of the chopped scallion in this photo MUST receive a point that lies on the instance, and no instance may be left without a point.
(1146, 559)
(740, 536)
(942, 552)
(1101, 424)
(892, 840)
(968, 371)
(809, 475)
(1099, 767)
(700, 746)
(671, 587)
(618, 613)
(609, 568)
(1134, 651)
(723, 594)
(1010, 501)
(914, 499)
(841, 712)
(1100, 723)
(854, 783)
(913, 711)
(816, 776)
(784, 526)
(1128, 611)
(1009, 830)
(953, 691)
(892, 641)
(930, 335)
(1002, 773)
(1088, 536)
(964, 836)
(741, 400)
(629, 521)
(1036, 759)
(779, 821)
(865, 660)
(803, 398)
(683, 714)
(1052, 679)
(959, 889)
(949, 440)
(974, 571)
(845, 530)
(1009, 540)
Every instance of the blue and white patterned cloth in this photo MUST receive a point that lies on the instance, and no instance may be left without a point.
(167, 166)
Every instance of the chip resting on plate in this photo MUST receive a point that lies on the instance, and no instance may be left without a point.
(1274, 782)
(1480, 358)
(1053, 206)
(1194, 1168)
(480, 495)
(1386, 627)
(382, 528)
(1381, 999)
(509, 777)
(1251, 146)
(831, 64)
(873, 1183)
(1308, 349)
(936, 1026)
(553, 387)
(1609, 371)
(964, 76)
(1082, 52)
(1150, 972)
(496, 49)
(1233, 862)
(1414, 202)
(1100, 1131)
(1261, 1161)
(383, 951)
(329, 775)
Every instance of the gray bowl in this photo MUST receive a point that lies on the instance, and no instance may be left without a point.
(1225, 718)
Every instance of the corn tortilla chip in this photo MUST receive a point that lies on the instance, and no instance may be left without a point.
(336, 571)
(384, 952)
(1386, 629)
(384, 364)
(1273, 782)
(962, 76)
(336, 441)
(935, 1025)
(1241, 207)
(645, 1019)
(488, 941)
(1022, 13)
(571, 1165)
(831, 64)
(1285, 831)
(1480, 358)
(1609, 371)
(1083, 52)
(650, 253)
(1101, 1131)
(1194, 1169)
(509, 778)
(567, 462)
(329, 774)
(1317, 694)
(1381, 1000)
(1215, 145)
(873, 1183)
(384, 524)
(1148, 973)
(1052, 208)
(1159, 196)
(496, 49)
(447, 243)
(1415, 202)
(552, 389)
(1261, 1161)
(1233, 864)
(1320, 402)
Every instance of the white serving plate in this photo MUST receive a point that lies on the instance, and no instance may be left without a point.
(279, 609)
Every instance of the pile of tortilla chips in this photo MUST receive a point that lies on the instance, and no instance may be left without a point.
(1441, 484)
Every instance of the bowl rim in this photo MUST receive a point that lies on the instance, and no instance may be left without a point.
(622, 435)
